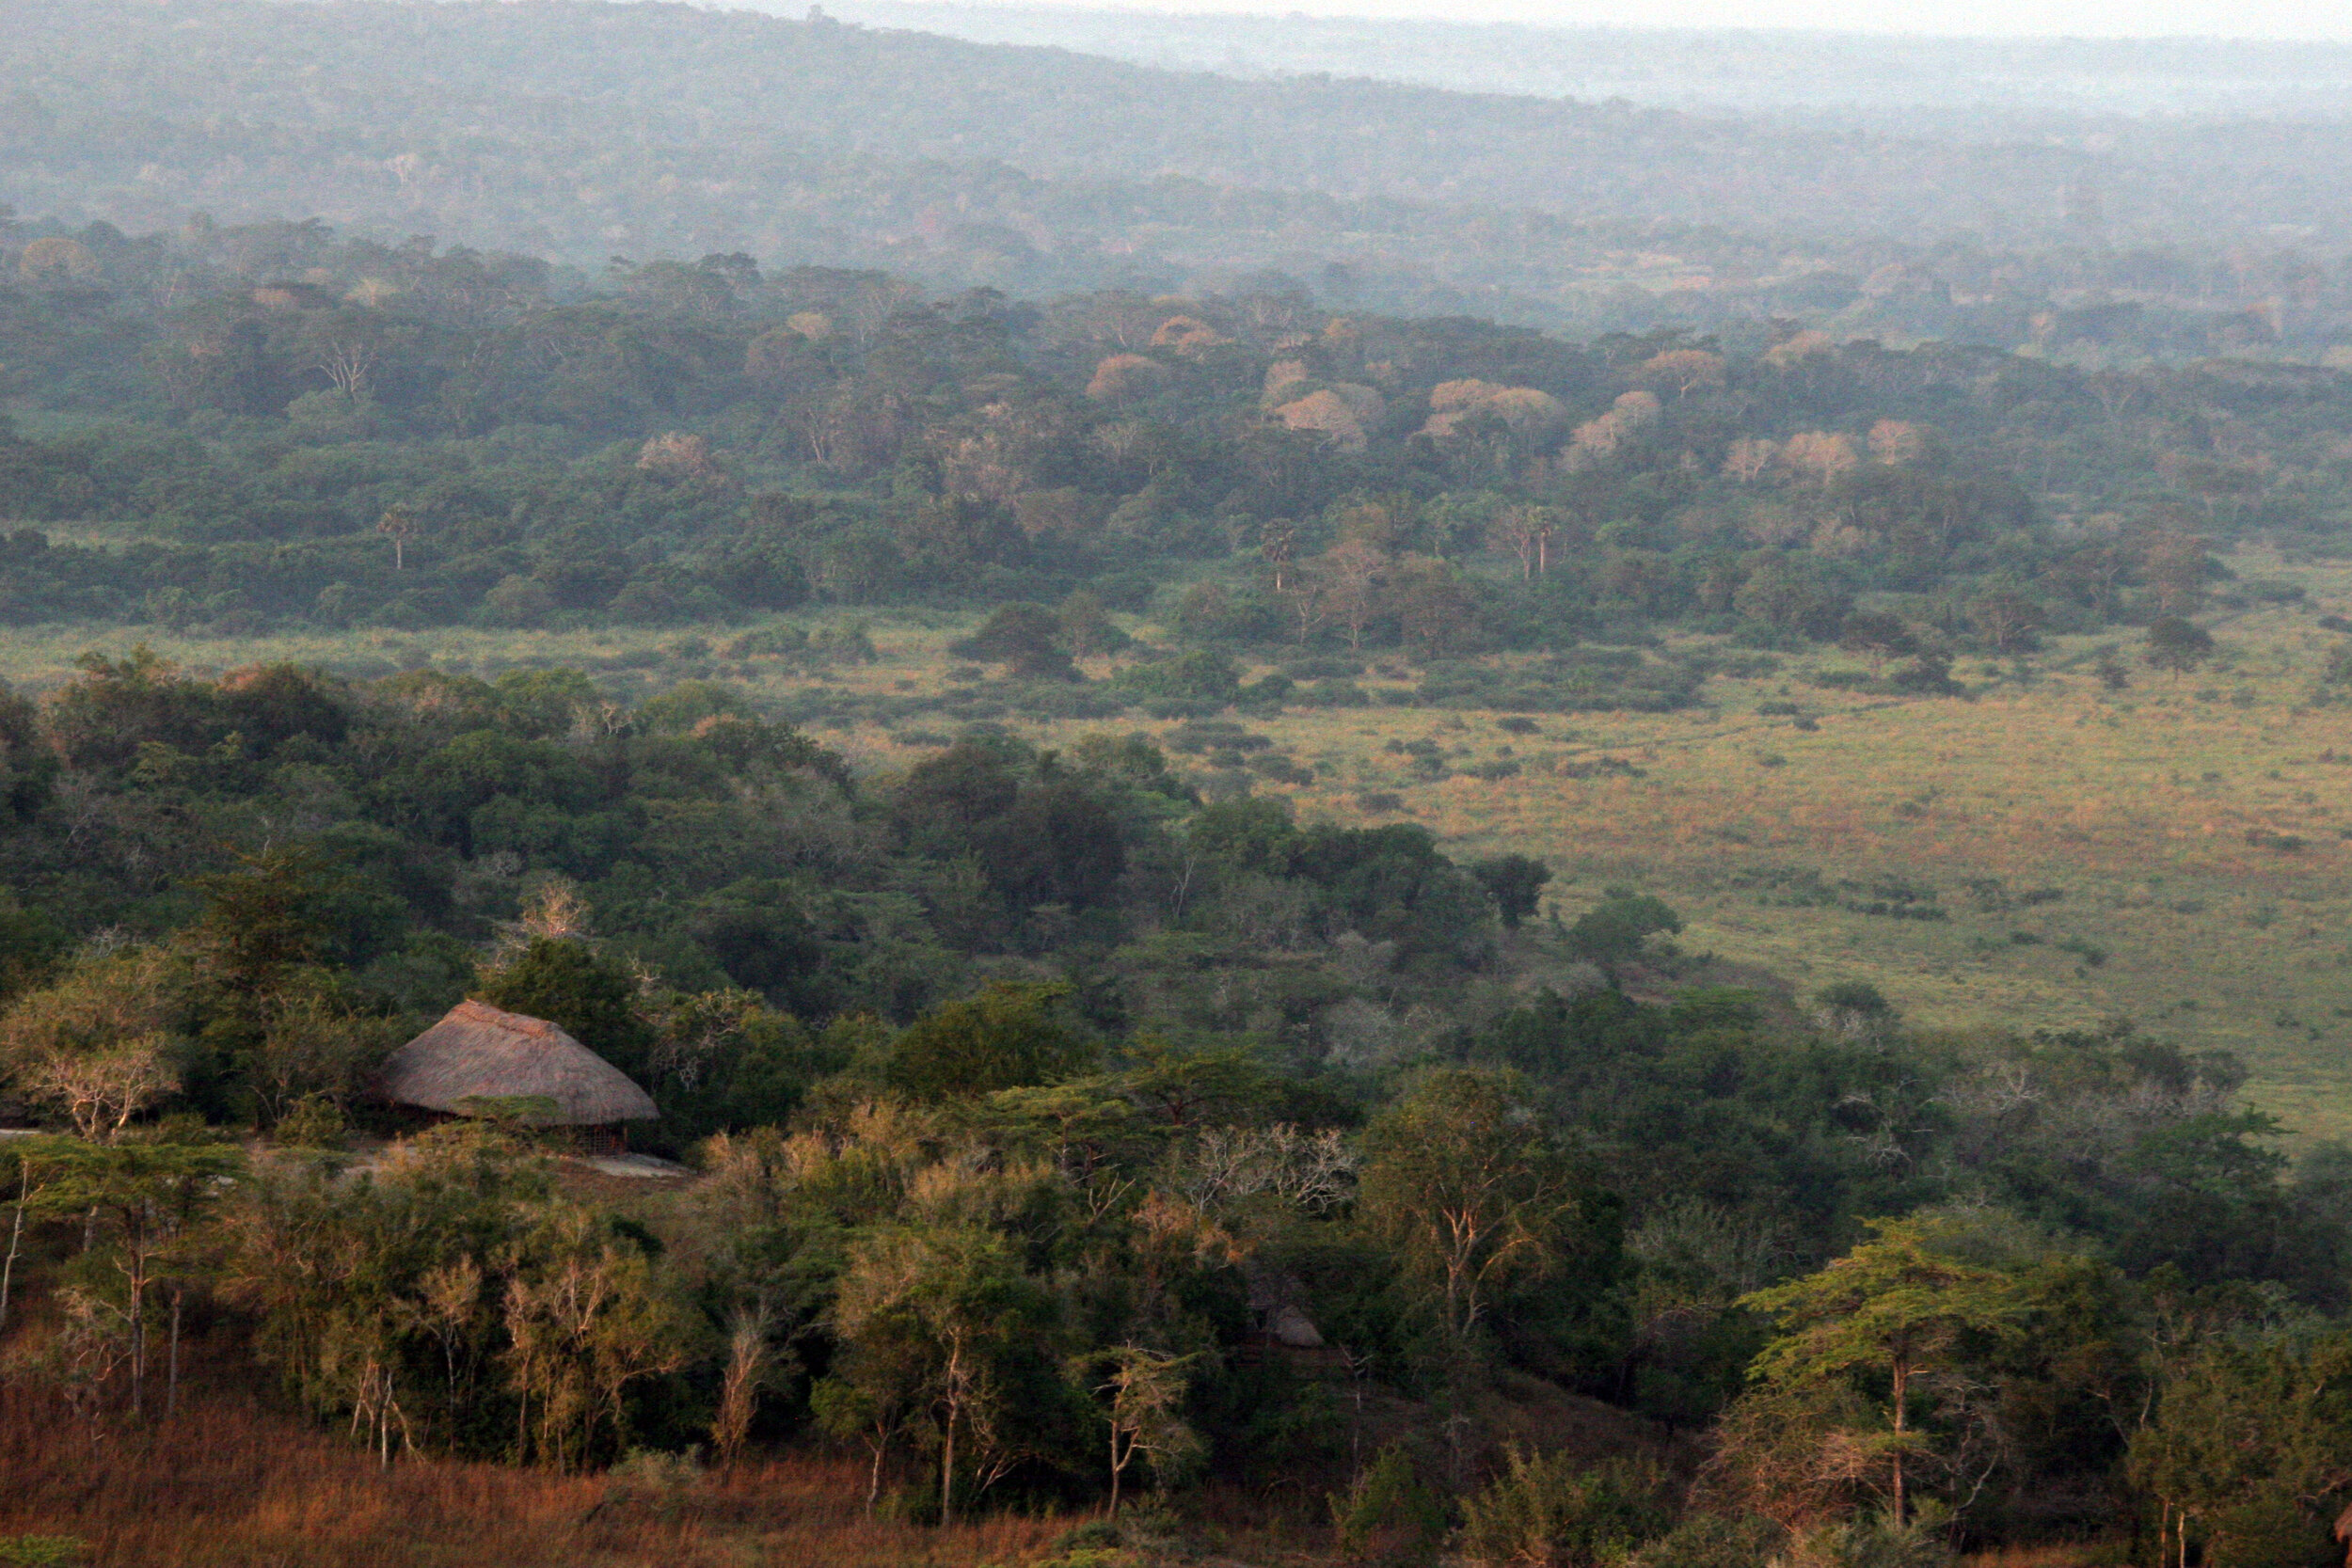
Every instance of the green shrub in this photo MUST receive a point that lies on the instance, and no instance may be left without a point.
(1201, 676)
(1868, 1544)
(1090, 1557)
(2272, 1533)
(1546, 1513)
(654, 1472)
(1094, 1532)
(1387, 1515)
(1270, 691)
(1330, 693)
(314, 1122)
(1710, 1541)
(2091, 953)
(41, 1551)
(769, 642)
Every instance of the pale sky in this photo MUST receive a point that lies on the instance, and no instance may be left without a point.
(2259, 19)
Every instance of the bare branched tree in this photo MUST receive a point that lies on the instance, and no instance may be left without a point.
(102, 1090)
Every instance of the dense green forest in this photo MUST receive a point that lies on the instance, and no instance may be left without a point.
(1032, 1094)
(583, 130)
(1061, 1128)
(242, 430)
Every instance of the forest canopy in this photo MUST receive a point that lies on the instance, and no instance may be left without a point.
(274, 427)
(1035, 1103)
(1045, 1122)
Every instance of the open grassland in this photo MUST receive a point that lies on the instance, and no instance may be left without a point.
(2045, 853)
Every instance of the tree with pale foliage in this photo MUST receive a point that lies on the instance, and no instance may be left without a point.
(1685, 370)
(1353, 574)
(677, 455)
(135, 993)
(1524, 532)
(1748, 458)
(2004, 617)
(1338, 413)
(1310, 604)
(1896, 442)
(1819, 456)
(1226, 1166)
(102, 1091)
(102, 1046)
(585, 1319)
(751, 1356)
(1120, 377)
(57, 257)
(1794, 350)
(2175, 565)
(1464, 407)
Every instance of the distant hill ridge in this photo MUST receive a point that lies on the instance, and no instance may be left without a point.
(1990, 83)
(583, 130)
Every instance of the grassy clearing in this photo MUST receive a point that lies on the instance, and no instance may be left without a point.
(2175, 853)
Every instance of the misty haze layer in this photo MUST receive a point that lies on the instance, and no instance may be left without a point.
(585, 130)
(1987, 85)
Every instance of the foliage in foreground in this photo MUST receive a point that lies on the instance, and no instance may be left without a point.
(1060, 1136)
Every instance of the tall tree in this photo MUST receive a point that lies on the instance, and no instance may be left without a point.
(148, 1195)
(1143, 1391)
(401, 525)
(1462, 1179)
(2246, 1424)
(1352, 573)
(1894, 1308)
(951, 1305)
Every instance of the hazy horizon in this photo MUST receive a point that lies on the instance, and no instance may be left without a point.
(2279, 21)
(1969, 87)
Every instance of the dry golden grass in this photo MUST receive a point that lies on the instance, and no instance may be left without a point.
(231, 1485)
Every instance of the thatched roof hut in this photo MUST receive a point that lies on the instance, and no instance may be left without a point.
(478, 1057)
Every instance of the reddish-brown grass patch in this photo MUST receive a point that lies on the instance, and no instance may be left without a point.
(232, 1481)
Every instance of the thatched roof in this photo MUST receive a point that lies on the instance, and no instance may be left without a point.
(477, 1054)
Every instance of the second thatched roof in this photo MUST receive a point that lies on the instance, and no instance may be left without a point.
(478, 1057)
